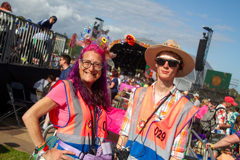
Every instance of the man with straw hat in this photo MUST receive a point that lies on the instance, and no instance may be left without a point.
(157, 120)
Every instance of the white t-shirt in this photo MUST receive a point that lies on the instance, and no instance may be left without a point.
(197, 103)
(39, 85)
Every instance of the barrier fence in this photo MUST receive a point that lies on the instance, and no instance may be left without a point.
(26, 43)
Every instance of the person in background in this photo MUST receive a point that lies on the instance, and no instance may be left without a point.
(64, 62)
(196, 98)
(185, 94)
(57, 60)
(233, 118)
(226, 141)
(158, 139)
(210, 105)
(74, 107)
(221, 119)
(149, 82)
(73, 62)
(119, 80)
(121, 77)
(142, 82)
(236, 125)
(203, 109)
(5, 25)
(114, 84)
(38, 88)
(229, 114)
(236, 128)
(46, 24)
(5, 6)
(226, 154)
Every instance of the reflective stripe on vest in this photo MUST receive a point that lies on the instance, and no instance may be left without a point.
(78, 128)
(157, 137)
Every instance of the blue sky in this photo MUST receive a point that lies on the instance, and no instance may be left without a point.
(154, 20)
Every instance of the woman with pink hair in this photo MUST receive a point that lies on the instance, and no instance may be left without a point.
(77, 107)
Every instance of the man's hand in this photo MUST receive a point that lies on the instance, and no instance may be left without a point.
(208, 145)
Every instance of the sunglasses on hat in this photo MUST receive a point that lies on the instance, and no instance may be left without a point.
(171, 63)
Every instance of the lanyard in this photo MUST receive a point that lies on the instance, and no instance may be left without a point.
(93, 149)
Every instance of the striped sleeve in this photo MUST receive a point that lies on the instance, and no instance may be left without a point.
(179, 144)
(127, 119)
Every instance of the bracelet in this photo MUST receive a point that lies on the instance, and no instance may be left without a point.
(40, 147)
(212, 146)
(41, 152)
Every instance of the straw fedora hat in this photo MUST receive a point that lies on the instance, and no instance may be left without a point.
(173, 46)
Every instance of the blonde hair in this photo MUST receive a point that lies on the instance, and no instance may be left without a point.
(205, 102)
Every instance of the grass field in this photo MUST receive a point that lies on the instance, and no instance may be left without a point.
(7, 153)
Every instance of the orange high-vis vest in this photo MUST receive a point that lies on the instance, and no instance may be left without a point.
(156, 139)
(78, 128)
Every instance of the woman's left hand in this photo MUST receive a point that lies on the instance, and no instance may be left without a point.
(56, 154)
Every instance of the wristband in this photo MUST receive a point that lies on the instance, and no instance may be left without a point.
(40, 147)
(41, 152)
(212, 146)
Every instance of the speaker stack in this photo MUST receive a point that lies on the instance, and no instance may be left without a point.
(199, 66)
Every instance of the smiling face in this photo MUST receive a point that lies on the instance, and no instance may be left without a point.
(90, 75)
(165, 72)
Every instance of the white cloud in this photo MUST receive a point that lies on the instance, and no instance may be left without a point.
(196, 14)
(62, 12)
(202, 15)
(223, 28)
(222, 38)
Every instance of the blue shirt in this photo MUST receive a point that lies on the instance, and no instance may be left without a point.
(65, 73)
(115, 87)
(45, 24)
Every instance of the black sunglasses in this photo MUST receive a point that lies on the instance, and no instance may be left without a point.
(171, 63)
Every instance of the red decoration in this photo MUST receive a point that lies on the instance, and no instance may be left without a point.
(73, 40)
(130, 39)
